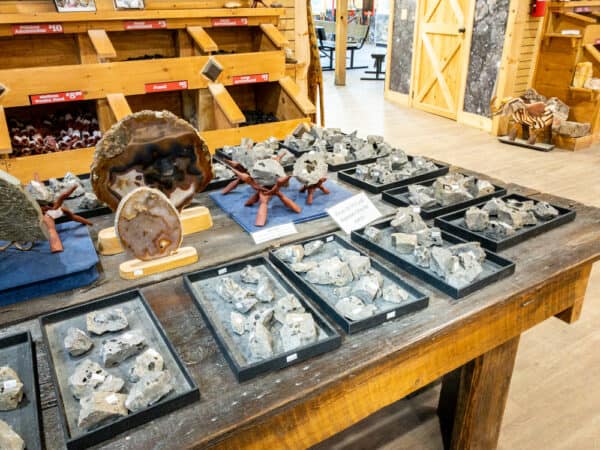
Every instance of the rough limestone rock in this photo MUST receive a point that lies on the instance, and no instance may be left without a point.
(260, 342)
(250, 274)
(111, 320)
(545, 210)
(510, 216)
(472, 247)
(266, 172)
(246, 304)
(21, 218)
(393, 293)
(330, 271)
(149, 361)
(429, 237)
(263, 317)
(90, 377)
(484, 187)
(359, 264)
(77, 342)
(421, 195)
(99, 407)
(238, 322)
(11, 389)
(291, 254)
(405, 243)
(304, 266)
(285, 305)
(121, 347)
(151, 388)
(353, 308)
(153, 149)
(310, 168)
(499, 230)
(476, 219)
(298, 329)
(312, 247)
(9, 439)
(148, 225)
(467, 271)
(493, 205)
(232, 292)
(367, 288)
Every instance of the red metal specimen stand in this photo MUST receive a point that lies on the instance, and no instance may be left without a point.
(312, 188)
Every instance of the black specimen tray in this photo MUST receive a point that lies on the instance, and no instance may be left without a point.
(348, 176)
(17, 351)
(351, 164)
(294, 150)
(243, 369)
(399, 197)
(220, 183)
(454, 223)
(87, 213)
(416, 301)
(138, 313)
(495, 266)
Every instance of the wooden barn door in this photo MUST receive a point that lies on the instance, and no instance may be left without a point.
(442, 55)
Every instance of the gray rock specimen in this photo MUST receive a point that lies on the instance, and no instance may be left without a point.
(408, 221)
(429, 237)
(330, 271)
(441, 261)
(312, 247)
(40, 192)
(484, 187)
(260, 343)
(119, 348)
(545, 210)
(405, 243)
(493, 205)
(20, 215)
(250, 274)
(149, 361)
(238, 322)
(510, 216)
(310, 168)
(499, 229)
(367, 288)
(100, 322)
(393, 293)
(285, 157)
(90, 377)
(421, 195)
(359, 264)
(232, 292)
(56, 186)
(291, 254)
(460, 264)
(9, 439)
(266, 172)
(11, 389)
(99, 407)
(451, 189)
(285, 305)
(221, 171)
(264, 290)
(89, 201)
(70, 180)
(473, 248)
(574, 129)
(477, 219)
(150, 389)
(263, 317)
(299, 329)
(77, 342)
(422, 256)
(304, 266)
(373, 234)
(353, 308)
(245, 304)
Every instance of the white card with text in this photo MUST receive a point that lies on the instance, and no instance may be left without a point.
(354, 213)
(268, 234)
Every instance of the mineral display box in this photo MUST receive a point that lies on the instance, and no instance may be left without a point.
(399, 197)
(53, 329)
(417, 300)
(17, 351)
(494, 267)
(214, 319)
(455, 223)
(376, 188)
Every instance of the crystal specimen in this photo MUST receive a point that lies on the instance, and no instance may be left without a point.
(312, 247)
(291, 254)
(374, 234)
(238, 322)
(260, 343)
(367, 288)
(264, 290)
(545, 210)
(304, 266)
(405, 243)
(407, 220)
(89, 201)
(250, 274)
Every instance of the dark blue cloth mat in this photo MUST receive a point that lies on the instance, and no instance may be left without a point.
(39, 272)
(245, 216)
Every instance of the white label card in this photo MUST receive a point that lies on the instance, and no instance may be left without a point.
(268, 234)
(292, 357)
(356, 212)
(222, 271)
(10, 384)
(390, 315)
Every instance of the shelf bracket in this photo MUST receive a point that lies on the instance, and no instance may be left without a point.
(118, 106)
(102, 44)
(226, 107)
(581, 17)
(275, 36)
(202, 39)
(5, 142)
(593, 52)
(294, 92)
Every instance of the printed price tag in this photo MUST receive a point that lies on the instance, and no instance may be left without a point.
(275, 232)
(229, 21)
(416, 209)
(222, 271)
(249, 79)
(10, 384)
(144, 24)
(390, 315)
(166, 86)
(38, 28)
(292, 357)
(354, 213)
(329, 239)
(570, 32)
(57, 97)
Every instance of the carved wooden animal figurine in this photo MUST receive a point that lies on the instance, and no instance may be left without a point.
(531, 117)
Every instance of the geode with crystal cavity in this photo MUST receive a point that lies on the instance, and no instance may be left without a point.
(99, 407)
(354, 309)
(151, 388)
(310, 168)
(476, 219)
(90, 377)
(298, 330)
(149, 361)
(111, 320)
(121, 347)
(11, 389)
(77, 342)
(260, 343)
(148, 225)
(155, 149)
(266, 172)
(330, 271)
(9, 439)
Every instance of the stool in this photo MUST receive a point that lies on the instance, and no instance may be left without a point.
(379, 58)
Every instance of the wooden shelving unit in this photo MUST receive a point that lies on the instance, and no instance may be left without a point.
(126, 61)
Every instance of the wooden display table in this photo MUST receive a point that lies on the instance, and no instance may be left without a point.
(473, 341)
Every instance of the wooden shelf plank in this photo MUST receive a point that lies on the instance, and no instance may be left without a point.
(202, 39)
(581, 17)
(295, 93)
(226, 103)
(591, 49)
(273, 33)
(102, 44)
(5, 141)
(118, 105)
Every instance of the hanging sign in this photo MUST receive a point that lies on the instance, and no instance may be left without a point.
(144, 24)
(249, 79)
(230, 22)
(166, 86)
(57, 97)
(37, 28)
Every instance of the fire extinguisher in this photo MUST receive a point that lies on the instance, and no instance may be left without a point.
(538, 8)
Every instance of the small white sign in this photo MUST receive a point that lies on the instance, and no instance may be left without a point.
(416, 209)
(390, 315)
(329, 239)
(268, 234)
(292, 357)
(222, 271)
(10, 384)
(570, 32)
(354, 213)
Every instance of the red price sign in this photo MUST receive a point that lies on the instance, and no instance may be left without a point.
(144, 24)
(166, 86)
(57, 97)
(248, 79)
(39, 28)
(230, 22)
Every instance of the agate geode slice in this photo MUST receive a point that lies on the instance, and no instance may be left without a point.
(148, 225)
(155, 149)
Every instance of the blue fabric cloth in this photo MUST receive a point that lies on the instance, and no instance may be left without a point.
(245, 216)
(39, 272)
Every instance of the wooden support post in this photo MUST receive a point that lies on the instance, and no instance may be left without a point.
(5, 142)
(202, 39)
(184, 43)
(341, 41)
(102, 44)
(301, 43)
(227, 112)
(296, 95)
(87, 54)
(118, 105)
(473, 399)
(274, 35)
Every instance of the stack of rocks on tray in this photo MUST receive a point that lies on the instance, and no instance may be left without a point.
(221, 171)
(99, 391)
(248, 153)
(355, 283)
(448, 190)
(352, 148)
(258, 313)
(500, 219)
(53, 134)
(46, 194)
(395, 167)
(11, 395)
